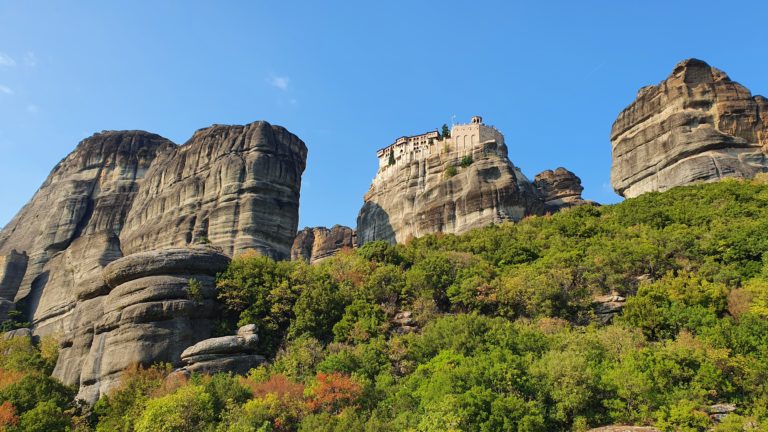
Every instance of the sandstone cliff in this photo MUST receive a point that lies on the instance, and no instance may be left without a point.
(559, 189)
(437, 194)
(697, 125)
(236, 186)
(121, 193)
(159, 303)
(315, 244)
(12, 269)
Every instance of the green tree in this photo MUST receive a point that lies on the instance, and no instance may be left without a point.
(46, 416)
(189, 409)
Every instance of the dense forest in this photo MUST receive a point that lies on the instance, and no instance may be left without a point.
(493, 330)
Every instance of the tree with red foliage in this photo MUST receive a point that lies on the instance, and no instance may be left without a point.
(8, 417)
(333, 392)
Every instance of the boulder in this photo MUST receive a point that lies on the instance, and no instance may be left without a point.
(234, 354)
(148, 316)
(696, 126)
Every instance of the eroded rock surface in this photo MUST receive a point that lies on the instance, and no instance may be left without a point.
(559, 189)
(429, 190)
(235, 186)
(236, 354)
(697, 125)
(159, 303)
(315, 244)
(12, 269)
(125, 192)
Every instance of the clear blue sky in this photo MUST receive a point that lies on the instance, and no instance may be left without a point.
(349, 77)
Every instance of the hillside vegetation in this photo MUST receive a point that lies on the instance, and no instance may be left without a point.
(501, 333)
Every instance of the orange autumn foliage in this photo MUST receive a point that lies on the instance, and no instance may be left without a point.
(8, 417)
(8, 377)
(333, 392)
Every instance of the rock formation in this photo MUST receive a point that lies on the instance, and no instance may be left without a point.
(234, 354)
(451, 185)
(559, 189)
(12, 269)
(126, 192)
(235, 186)
(315, 244)
(697, 125)
(159, 303)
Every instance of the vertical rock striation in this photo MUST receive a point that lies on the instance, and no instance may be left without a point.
(235, 186)
(12, 269)
(697, 125)
(316, 244)
(124, 192)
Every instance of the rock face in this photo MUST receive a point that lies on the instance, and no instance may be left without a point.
(428, 189)
(159, 303)
(697, 125)
(87, 195)
(315, 244)
(224, 354)
(236, 186)
(12, 269)
(126, 192)
(559, 189)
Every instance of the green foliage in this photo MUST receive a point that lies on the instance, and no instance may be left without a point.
(361, 322)
(188, 409)
(451, 171)
(195, 289)
(46, 416)
(391, 158)
(466, 161)
(445, 131)
(491, 330)
(119, 409)
(14, 321)
(256, 290)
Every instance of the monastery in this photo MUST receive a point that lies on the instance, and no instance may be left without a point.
(463, 140)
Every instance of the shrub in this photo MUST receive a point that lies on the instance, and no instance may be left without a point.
(450, 171)
(188, 409)
(466, 161)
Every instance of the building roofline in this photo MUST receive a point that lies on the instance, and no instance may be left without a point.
(407, 136)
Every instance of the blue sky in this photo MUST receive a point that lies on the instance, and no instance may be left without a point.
(350, 77)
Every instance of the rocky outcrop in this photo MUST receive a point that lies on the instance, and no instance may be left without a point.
(236, 354)
(559, 189)
(608, 306)
(12, 269)
(89, 193)
(159, 303)
(697, 125)
(315, 244)
(235, 186)
(439, 193)
(125, 192)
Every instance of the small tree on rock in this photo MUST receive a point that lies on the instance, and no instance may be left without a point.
(446, 131)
